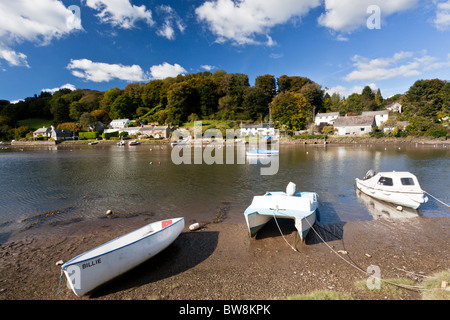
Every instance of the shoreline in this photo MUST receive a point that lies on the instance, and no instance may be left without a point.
(220, 261)
(333, 140)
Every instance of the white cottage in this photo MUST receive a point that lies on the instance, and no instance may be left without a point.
(52, 133)
(354, 126)
(380, 116)
(265, 129)
(327, 118)
(117, 125)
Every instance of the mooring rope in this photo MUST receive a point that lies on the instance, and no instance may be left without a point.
(276, 221)
(436, 198)
(404, 286)
(59, 285)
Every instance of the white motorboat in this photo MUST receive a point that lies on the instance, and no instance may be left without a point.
(299, 206)
(101, 264)
(121, 143)
(133, 143)
(401, 188)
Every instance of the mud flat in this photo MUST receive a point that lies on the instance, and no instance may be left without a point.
(220, 261)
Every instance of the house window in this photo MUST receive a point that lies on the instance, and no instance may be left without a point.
(384, 181)
(362, 129)
(407, 181)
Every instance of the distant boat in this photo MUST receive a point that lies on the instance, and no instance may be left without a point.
(99, 265)
(301, 207)
(93, 143)
(262, 153)
(401, 188)
(181, 142)
(133, 143)
(121, 143)
(267, 139)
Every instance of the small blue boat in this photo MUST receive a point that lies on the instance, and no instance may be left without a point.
(300, 206)
(262, 153)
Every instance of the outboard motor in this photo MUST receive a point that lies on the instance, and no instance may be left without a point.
(369, 174)
(290, 189)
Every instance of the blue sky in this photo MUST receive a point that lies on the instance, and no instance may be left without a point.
(100, 44)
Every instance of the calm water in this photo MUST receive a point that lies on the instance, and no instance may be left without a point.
(85, 181)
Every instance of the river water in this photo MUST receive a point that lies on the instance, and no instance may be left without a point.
(83, 182)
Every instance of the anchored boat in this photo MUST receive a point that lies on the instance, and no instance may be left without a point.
(99, 265)
(401, 188)
(262, 153)
(300, 206)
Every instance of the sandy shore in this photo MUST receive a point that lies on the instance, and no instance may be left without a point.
(221, 262)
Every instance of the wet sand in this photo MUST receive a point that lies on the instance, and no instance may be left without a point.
(221, 262)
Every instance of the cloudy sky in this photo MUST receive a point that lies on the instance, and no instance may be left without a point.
(341, 44)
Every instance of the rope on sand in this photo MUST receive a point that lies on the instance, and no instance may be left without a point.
(404, 286)
(436, 198)
(59, 286)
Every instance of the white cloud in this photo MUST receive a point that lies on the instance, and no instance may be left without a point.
(401, 64)
(241, 21)
(65, 86)
(207, 67)
(442, 20)
(101, 72)
(276, 55)
(345, 92)
(38, 21)
(13, 58)
(165, 70)
(120, 13)
(171, 22)
(349, 15)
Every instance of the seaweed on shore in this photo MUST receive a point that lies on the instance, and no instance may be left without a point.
(42, 217)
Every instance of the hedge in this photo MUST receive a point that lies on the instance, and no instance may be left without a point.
(88, 135)
(107, 135)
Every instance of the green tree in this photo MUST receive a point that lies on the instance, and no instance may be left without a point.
(291, 110)
(268, 85)
(109, 97)
(122, 107)
(87, 120)
(255, 104)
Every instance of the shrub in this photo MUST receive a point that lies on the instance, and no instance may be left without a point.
(437, 132)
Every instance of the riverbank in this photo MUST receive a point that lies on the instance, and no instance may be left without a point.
(221, 262)
(416, 141)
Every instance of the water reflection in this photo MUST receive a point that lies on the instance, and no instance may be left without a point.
(94, 179)
(384, 210)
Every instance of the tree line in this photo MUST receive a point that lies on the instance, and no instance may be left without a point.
(290, 101)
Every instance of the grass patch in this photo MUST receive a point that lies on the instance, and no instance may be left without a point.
(432, 286)
(387, 290)
(322, 295)
(35, 123)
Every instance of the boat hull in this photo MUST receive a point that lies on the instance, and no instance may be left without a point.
(411, 199)
(256, 218)
(104, 263)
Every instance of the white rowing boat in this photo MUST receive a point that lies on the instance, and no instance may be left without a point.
(99, 265)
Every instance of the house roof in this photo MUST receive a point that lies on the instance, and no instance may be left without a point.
(330, 114)
(375, 113)
(257, 126)
(354, 121)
